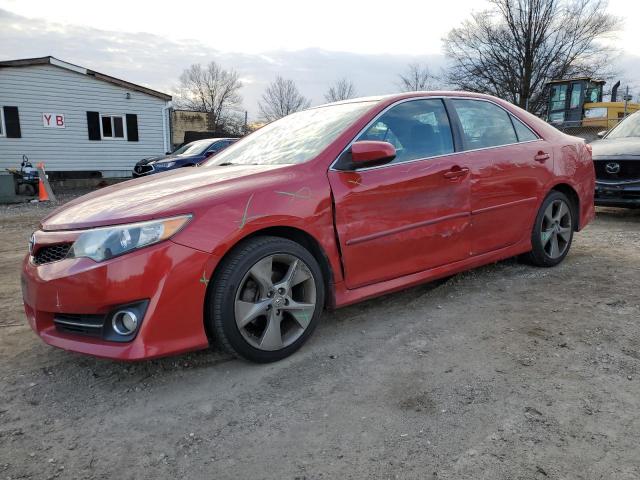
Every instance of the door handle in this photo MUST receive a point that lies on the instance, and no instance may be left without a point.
(455, 173)
(541, 156)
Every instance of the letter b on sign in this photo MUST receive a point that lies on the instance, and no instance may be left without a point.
(53, 120)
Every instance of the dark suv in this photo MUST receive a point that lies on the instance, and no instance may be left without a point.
(188, 155)
(617, 162)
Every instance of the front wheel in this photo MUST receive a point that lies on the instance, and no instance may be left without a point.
(267, 299)
(553, 231)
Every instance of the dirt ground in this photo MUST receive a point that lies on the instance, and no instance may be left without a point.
(505, 372)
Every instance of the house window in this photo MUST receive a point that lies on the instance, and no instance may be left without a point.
(112, 126)
(2, 129)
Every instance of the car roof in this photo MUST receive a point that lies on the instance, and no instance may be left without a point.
(211, 140)
(394, 97)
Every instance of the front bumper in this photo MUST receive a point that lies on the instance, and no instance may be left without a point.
(618, 194)
(142, 171)
(172, 277)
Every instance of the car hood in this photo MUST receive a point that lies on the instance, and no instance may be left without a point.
(166, 158)
(616, 147)
(162, 195)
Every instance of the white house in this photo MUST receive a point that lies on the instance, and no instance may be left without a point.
(77, 120)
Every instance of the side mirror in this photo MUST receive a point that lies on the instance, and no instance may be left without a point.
(372, 152)
(601, 134)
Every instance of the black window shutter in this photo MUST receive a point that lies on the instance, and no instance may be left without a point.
(12, 122)
(132, 127)
(93, 125)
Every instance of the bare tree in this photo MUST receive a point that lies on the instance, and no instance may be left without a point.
(280, 99)
(214, 90)
(342, 89)
(416, 78)
(514, 48)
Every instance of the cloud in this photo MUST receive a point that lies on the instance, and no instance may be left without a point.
(157, 62)
(154, 61)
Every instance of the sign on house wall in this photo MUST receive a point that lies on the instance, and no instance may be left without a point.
(53, 120)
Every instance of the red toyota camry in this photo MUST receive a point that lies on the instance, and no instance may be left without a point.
(323, 208)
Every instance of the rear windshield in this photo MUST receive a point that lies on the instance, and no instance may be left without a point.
(296, 138)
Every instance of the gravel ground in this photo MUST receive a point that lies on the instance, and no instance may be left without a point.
(505, 372)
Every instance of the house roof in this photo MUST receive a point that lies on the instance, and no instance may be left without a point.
(576, 79)
(26, 62)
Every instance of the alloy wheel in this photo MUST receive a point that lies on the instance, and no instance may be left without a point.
(556, 228)
(275, 302)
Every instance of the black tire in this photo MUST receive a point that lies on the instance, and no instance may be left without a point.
(540, 254)
(221, 314)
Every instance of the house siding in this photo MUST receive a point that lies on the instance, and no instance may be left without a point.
(42, 89)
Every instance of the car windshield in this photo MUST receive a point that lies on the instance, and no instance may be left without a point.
(296, 138)
(630, 127)
(193, 148)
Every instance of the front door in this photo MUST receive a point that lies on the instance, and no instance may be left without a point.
(408, 215)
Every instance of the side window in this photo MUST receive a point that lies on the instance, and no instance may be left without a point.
(10, 122)
(524, 133)
(418, 129)
(382, 132)
(576, 95)
(558, 97)
(484, 124)
(592, 95)
(112, 126)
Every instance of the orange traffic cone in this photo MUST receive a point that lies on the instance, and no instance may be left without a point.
(43, 196)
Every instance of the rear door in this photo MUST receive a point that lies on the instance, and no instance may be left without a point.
(408, 215)
(509, 166)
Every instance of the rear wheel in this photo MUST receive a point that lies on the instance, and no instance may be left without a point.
(553, 231)
(267, 299)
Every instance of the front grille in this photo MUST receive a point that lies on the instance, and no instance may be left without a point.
(617, 169)
(143, 168)
(83, 324)
(51, 253)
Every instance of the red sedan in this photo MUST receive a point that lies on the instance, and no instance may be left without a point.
(323, 208)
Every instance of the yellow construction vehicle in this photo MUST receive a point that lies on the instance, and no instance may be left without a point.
(576, 106)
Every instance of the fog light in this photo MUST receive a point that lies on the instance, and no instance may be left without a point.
(125, 322)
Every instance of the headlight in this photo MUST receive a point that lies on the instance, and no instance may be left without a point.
(104, 243)
(163, 165)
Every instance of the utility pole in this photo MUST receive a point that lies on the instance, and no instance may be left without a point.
(246, 126)
(627, 97)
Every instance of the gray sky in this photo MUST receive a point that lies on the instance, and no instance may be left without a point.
(369, 42)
